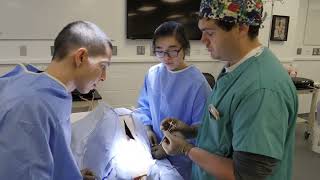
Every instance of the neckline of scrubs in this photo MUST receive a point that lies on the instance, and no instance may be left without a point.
(254, 52)
(27, 70)
(241, 66)
(224, 79)
(57, 80)
(179, 71)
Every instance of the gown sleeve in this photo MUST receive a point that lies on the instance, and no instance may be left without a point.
(143, 104)
(200, 103)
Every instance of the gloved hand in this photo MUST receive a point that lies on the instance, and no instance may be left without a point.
(177, 125)
(158, 152)
(88, 174)
(175, 145)
(151, 136)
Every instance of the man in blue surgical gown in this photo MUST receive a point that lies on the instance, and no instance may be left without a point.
(35, 107)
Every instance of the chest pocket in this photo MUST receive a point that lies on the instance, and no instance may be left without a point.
(220, 132)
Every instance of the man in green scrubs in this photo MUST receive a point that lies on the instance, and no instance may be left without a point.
(248, 125)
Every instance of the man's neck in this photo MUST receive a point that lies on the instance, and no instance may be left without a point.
(62, 72)
(244, 49)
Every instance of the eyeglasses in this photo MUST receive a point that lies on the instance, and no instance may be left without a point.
(170, 53)
(105, 65)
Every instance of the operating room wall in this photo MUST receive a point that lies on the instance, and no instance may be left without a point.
(308, 65)
(127, 71)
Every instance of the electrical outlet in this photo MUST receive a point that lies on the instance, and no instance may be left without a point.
(51, 50)
(114, 50)
(315, 51)
(140, 50)
(299, 51)
(23, 50)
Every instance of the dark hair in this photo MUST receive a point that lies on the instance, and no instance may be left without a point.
(81, 34)
(172, 28)
(227, 26)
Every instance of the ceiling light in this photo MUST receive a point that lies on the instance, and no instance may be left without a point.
(132, 14)
(174, 16)
(147, 8)
(172, 1)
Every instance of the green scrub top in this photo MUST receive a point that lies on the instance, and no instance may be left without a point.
(257, 104)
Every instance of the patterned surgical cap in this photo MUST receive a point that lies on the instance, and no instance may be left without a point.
(234, 11)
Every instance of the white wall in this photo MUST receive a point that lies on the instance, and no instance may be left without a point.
(312, 23)
(127, 71)
(286, 49)
(308, 65)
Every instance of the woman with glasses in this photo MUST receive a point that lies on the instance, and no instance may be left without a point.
(171, 89)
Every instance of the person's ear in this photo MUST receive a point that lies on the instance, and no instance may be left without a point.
(80, 56)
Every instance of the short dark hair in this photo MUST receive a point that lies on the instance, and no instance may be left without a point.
(81, 34)
(172, 28)
(227, 26)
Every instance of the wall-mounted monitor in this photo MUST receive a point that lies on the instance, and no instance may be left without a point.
(144, 16)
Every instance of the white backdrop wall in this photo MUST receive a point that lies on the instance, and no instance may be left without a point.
(126, 74)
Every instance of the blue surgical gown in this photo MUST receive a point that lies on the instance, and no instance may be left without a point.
(179, 94)
(34, 127)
